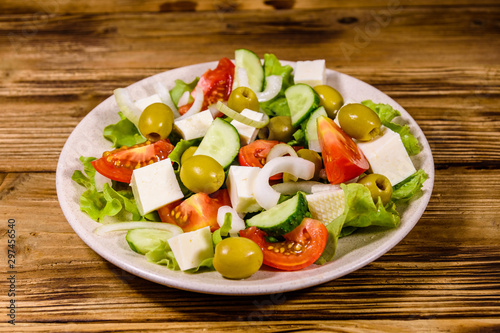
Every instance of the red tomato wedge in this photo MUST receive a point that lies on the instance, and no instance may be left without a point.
(342, 159)
(197, 211)
(119, 163)
(216, 84)
(255, 154)
(301, 248)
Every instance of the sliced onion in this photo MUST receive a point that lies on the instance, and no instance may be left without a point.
(184, 99)
(127, 106)
(237, 222)
(290, 188)
(273, 87)
(241, 118)
(166, 98)
(213, 109)
(281, 149)
(241, 78)
(325, 188)
(196, 107)
(265, 195)
(120, 226)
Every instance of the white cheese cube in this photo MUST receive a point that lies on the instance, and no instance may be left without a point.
(247, 133)
(310, 72)
(327, 205)
(387, 156)
(154, 186)
(191, 248)
(195, 126)
(240, 185)
(145, 102)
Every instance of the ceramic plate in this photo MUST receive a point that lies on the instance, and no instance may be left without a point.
(353, 252)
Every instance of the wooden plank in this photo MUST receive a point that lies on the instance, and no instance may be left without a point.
(454, 100)
(224, 6)
(486, 325)
(461, 130)
(444, 269)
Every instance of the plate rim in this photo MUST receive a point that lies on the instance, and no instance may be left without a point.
(208, 288)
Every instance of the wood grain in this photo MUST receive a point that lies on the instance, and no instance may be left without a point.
(439, 60)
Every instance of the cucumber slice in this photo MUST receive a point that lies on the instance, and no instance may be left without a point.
(251, 63)
(301, 99)
(222, 142)
(312, 129)
(144, 240)
(282, 218)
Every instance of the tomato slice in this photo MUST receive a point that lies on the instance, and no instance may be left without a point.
(216, 84)
(197, 211)
(342, 158)
(119, 163)
(301, 248)
(254, 154)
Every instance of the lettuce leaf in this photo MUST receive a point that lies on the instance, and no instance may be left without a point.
(223, 231)
(123, 133)
(277, 106)
(163, 255)
(384, 111)
(386, 114)
(299, 138)
(360, 211)
(180, 88)
(109, 202)
(406, 189)
(272, 66)
(179, 149)
(176, 155)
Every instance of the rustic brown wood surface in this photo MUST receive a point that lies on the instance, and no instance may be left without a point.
(439, 59)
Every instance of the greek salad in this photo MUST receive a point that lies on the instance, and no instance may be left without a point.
(252, 163)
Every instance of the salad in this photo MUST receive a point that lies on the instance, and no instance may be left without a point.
(253, 163)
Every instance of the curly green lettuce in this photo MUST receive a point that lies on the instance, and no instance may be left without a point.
(123, 133)
(360, 211)
(277, 106)
(386, 114)
(108, 202)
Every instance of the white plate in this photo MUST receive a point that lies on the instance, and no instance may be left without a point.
(353, 252)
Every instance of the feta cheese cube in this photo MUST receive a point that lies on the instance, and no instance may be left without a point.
(154, 186)
(247, 133)
(240, 185)
(387, 156)
(195, 126)
(310, 72)
(145, 102)
(326, 206)
(191, 248)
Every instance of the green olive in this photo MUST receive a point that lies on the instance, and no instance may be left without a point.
(359, 122)
(314, 157)
(330, 99)
(156, 122)
(243, 98)
(280, 128)
(202, 173)
(188, 153)
(379, 186)
(237, 257)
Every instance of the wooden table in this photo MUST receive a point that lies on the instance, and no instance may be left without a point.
(441, 61)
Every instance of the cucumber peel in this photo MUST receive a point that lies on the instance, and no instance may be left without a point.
(281, 218)
(302, 100)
